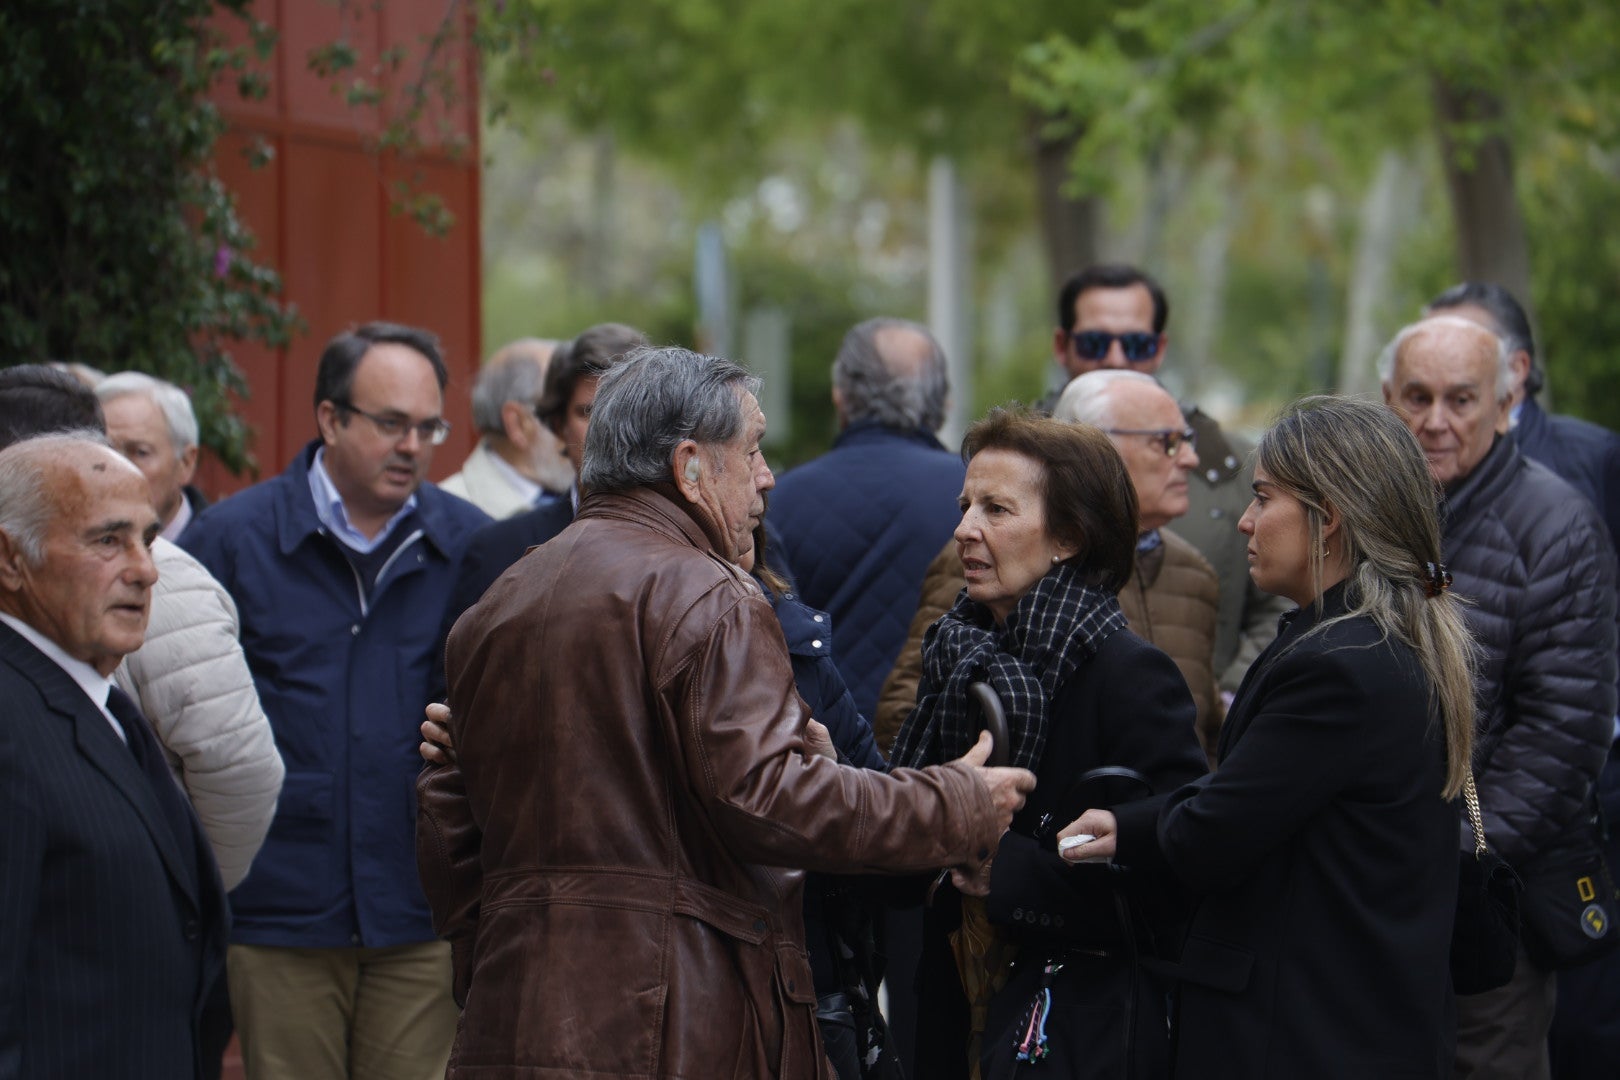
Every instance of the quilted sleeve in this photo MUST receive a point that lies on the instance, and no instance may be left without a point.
(192, 682)
(1560, 687)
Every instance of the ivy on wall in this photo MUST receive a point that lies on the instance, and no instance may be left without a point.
(119, 247)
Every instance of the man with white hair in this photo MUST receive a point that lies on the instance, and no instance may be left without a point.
(1172, 599)
(151, 422)
(518, 462)
(112, 914)
(1534, 560)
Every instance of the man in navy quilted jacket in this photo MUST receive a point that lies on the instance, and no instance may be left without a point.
(1536, 565)
(1586, 1026)
(860, 523)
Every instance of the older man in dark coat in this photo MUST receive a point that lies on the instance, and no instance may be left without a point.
(1536, 563)
(112, 915)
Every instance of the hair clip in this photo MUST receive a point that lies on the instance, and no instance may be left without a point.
(1436, 579)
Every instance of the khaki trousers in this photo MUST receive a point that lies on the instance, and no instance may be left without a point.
(1502, 1033)
(343, 1014)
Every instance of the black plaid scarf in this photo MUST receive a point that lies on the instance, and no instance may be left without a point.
(1055, 627)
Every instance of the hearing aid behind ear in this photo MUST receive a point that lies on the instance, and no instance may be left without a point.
(692, 470)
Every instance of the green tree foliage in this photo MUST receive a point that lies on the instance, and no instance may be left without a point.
(121, 248)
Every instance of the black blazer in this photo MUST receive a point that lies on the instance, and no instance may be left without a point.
(110, 931)
(1326, 862)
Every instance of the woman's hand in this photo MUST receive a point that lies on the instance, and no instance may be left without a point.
(437, 747)
(1098, 823)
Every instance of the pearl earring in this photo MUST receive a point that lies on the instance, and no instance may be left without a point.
(1056, 559)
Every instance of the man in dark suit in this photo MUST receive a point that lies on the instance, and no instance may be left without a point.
(112, 915)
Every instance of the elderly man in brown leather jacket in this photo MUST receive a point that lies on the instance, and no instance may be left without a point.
(633, 767)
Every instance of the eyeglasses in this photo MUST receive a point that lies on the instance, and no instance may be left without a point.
(433, 432)
(1138, 347)
(1171, 439)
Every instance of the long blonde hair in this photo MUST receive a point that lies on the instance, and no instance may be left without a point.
(1357, 458)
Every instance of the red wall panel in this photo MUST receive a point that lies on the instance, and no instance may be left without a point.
(321, 209)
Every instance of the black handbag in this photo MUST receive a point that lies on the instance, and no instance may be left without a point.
(1485, 936)
(1570, 900)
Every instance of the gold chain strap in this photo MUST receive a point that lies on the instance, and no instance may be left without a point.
(1475, 818)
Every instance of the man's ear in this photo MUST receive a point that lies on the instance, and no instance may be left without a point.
(13, 571)
(1520, 365)
(514, 422)
(188, 465)
(1060, 347)
(838, 407)
(326, 419)
(686, 466)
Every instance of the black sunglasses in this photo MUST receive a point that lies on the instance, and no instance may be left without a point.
(1138, 347)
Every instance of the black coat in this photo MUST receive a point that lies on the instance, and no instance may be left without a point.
(1125, 706)
(1537, 567)
(111, 927)
(1326, 865)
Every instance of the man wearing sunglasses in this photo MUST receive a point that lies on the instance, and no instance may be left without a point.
(340, 568)
(1113, 317)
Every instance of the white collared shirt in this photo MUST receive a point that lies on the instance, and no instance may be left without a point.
(528, 489)
(329, 508)
(177, 525)
(95, 685)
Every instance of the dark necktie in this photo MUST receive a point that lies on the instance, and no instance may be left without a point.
(149, 755)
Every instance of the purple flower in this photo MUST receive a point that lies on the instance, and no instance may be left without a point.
(222, 261)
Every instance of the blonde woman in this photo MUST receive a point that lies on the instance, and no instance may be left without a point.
(1323, 849)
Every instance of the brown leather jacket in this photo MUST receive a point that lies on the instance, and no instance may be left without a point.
(1170, 600)
(631, 770)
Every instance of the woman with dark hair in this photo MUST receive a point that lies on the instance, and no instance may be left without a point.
(1324, 848)
(1047, 536)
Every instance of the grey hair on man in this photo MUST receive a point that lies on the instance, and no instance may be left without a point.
(1088, 399)
(891, 372)
(173, 402)
(1504, 349)
(651, 402)
(515, 373)
(26, 499)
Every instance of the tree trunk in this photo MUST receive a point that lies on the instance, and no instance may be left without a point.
(1491, 244)
(1371, 313)
(1070, 227)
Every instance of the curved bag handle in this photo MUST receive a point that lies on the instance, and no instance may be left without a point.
(995, 721)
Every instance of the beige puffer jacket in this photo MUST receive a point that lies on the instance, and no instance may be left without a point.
(192, 682)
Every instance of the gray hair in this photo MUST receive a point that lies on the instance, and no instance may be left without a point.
(173, 402)
(513, 374)
(893, 389)
(1088, 399)
(26, 504)
(648, 404)
(1504, 349)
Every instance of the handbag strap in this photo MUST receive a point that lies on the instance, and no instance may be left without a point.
(1475, 818)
